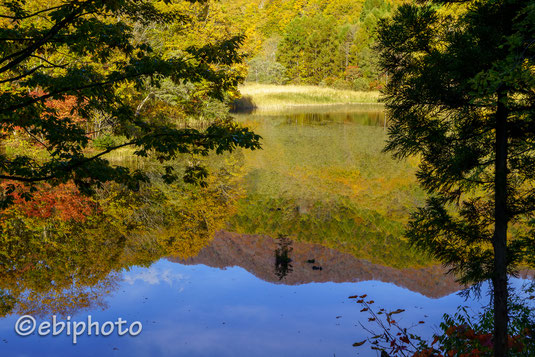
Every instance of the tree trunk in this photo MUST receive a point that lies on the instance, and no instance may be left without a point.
(499, 278)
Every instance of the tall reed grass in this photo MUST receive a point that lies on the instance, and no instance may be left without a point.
(265, 96)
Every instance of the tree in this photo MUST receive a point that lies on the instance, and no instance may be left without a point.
(364, 42)
(309, 49)
(461, 96)
(91, 54)
(264, 68)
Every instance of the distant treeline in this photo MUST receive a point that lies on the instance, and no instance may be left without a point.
(320, 42)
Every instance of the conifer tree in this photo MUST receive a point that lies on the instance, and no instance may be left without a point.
(461, 96)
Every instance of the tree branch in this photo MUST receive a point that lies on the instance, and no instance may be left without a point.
(25, 53)
(17, 18)
(22, 75)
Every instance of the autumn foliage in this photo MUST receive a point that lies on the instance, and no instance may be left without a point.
(461, 335)
(62, 202)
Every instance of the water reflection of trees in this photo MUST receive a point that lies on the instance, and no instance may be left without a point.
(62, 264)
(322, 178)
(340, 225)
(283, 262)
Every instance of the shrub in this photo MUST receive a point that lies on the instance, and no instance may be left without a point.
(104, 142)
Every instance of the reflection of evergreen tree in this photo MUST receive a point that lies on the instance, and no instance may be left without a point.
(283, 261)
(322, 178)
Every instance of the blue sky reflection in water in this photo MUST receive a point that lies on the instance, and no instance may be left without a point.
(321, 182)
(203, 311)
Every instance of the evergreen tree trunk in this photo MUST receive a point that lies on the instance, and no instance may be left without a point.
(499, 279)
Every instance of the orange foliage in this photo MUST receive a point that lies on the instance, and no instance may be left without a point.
(64, 202)
(64, 108)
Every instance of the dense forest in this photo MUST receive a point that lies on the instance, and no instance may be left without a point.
(320, 42)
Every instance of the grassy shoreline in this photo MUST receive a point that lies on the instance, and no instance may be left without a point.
(267, 96)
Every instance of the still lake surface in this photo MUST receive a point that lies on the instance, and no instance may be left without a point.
(315, 217)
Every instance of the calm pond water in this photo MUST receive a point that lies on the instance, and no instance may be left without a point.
(259, 263)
